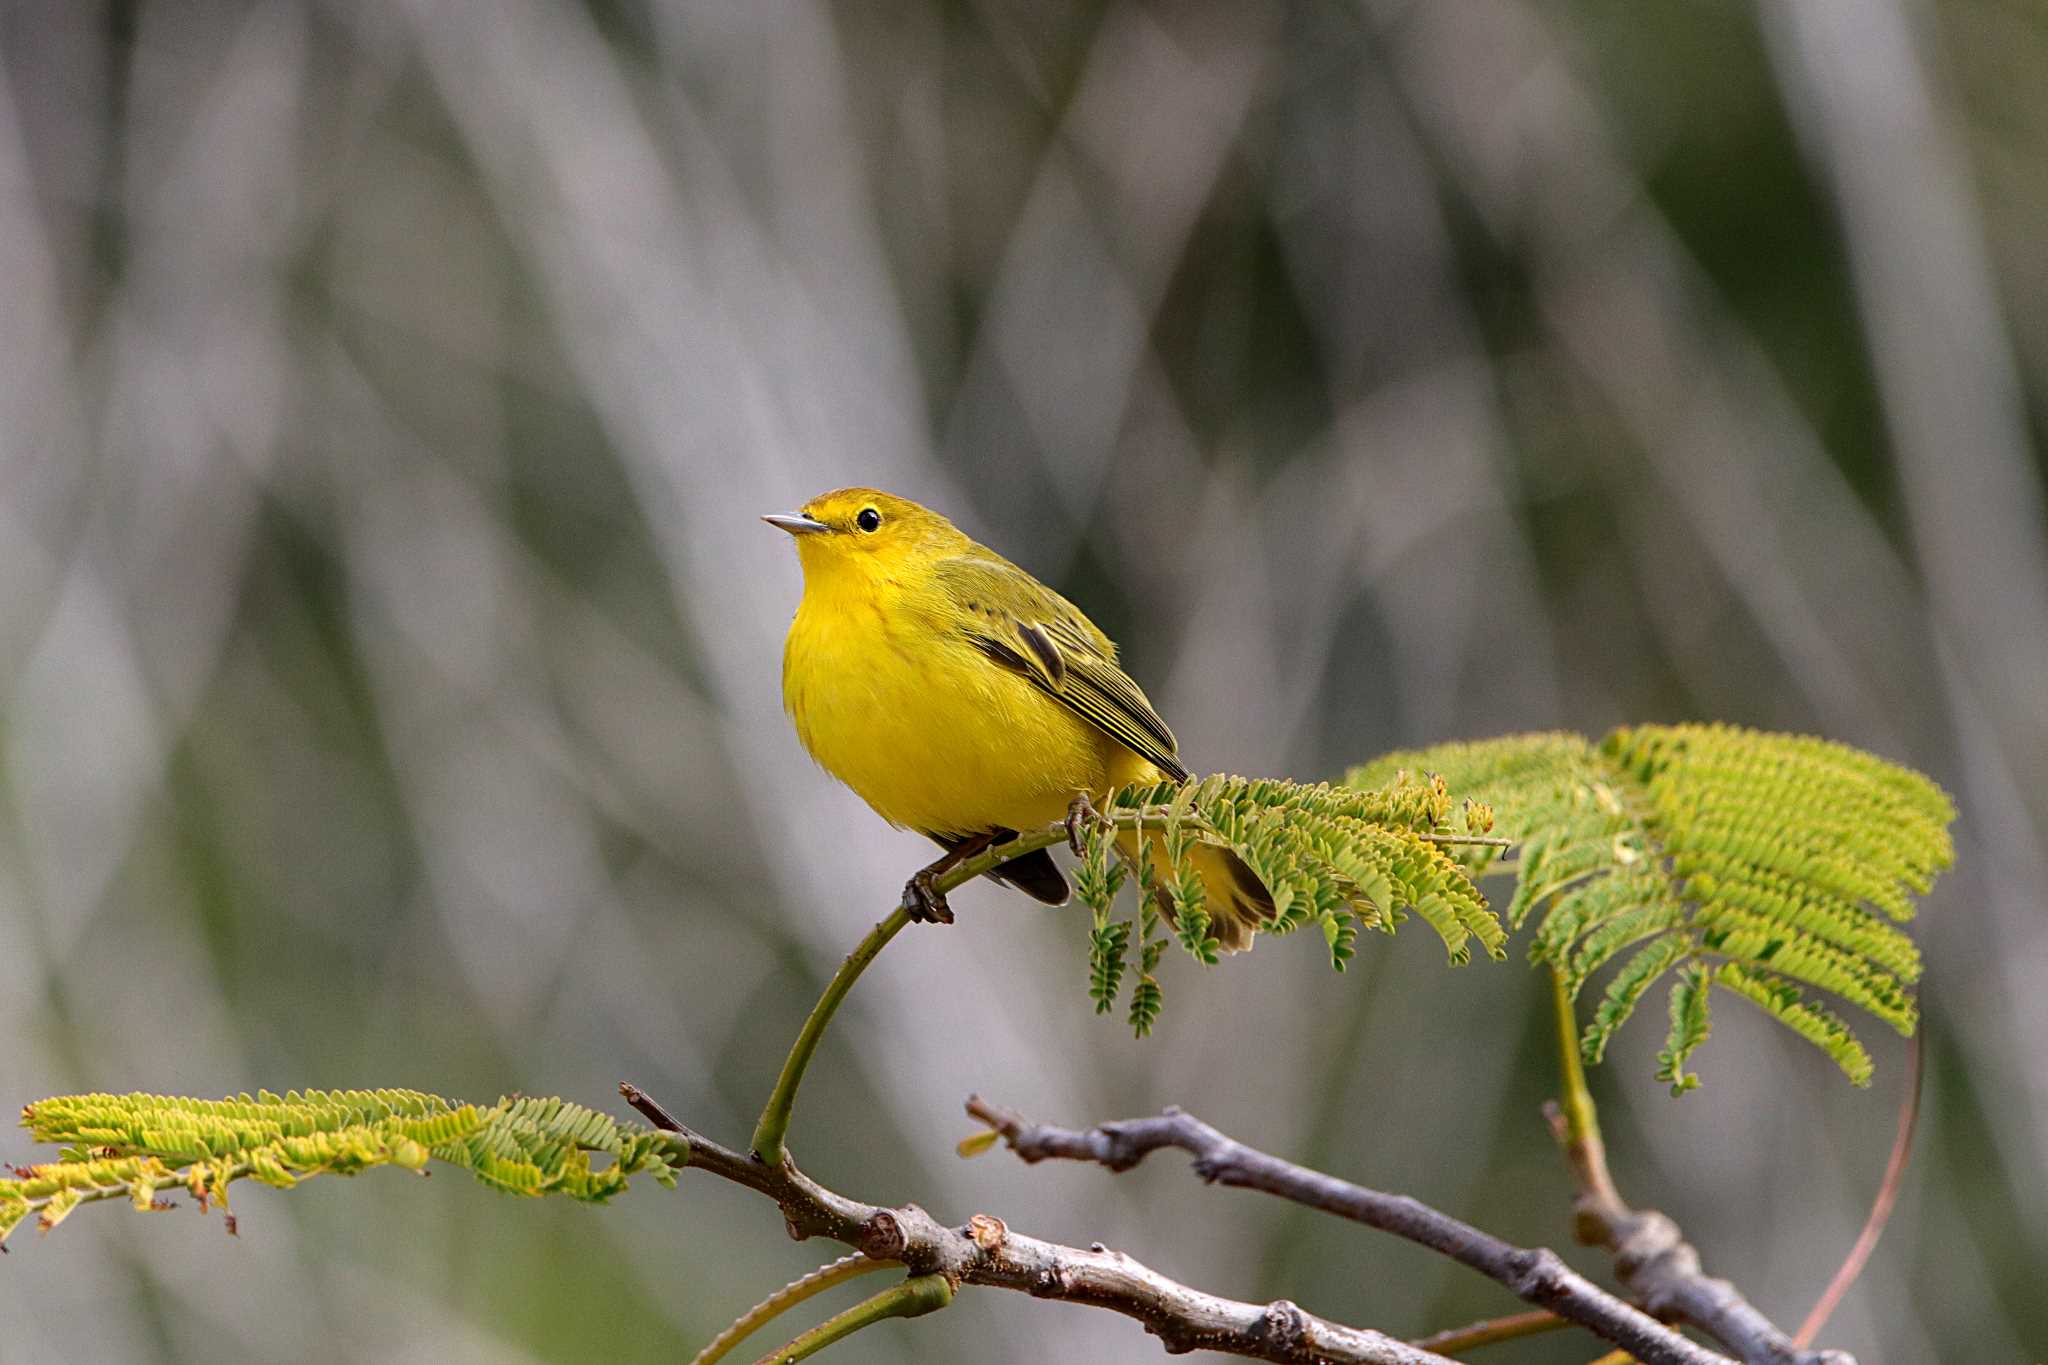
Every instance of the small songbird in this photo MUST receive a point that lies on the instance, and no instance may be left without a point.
(962, 698)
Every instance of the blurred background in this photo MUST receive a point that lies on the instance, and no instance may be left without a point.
(389, 652)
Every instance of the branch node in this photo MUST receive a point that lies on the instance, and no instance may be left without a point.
(883, 1238)
(1649, 1244)
(987, 1231)
(1123, 1148)
(1284, 1324)
(1538, 1274)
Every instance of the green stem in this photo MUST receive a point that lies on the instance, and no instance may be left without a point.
(773, 1128)
(1581, 1120)
(912, 1298)
(782, 1300)
(774, 1125)
(1580, 1125)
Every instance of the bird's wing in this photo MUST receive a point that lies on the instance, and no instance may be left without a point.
(1024, 625)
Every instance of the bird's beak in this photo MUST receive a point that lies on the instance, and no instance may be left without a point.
(795, 525)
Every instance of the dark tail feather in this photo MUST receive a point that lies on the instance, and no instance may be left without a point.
(1250, 901)
(1033, 873)
(1239, 907)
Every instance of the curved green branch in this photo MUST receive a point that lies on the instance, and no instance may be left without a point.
(912, 1298)
(838, 1272)
(773, 1127)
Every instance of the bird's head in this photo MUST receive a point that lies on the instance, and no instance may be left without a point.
(866, 531)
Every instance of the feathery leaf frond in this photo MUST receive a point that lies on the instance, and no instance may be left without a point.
(1760, 863)
(1338, 857)
(135, 1146)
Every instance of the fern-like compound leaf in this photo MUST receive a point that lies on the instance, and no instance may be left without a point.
(1340, 858)
(1759, 863)
(138, 1146)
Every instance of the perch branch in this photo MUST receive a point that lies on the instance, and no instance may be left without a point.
(772, 1130)
(1536, 1275)
(986, 1252)
(1652, 1259)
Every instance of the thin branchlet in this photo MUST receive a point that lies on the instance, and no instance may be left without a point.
(1535, 1275)
(985, 1251)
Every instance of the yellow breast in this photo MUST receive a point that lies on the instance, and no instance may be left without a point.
(931, 732)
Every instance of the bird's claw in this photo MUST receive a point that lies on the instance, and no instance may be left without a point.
(1081, 813)
(924, 902)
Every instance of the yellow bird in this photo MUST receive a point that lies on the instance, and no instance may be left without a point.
(962, 698)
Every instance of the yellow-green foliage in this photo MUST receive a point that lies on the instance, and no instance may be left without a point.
(136, 1146)
(1337, 857)
(1756, 862)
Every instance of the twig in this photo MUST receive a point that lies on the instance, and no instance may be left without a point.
(771, 1132)
(986, 1252)
(650, 1108)
(1652, 1259)
(1881, 1208)
(1536, 1275)
(912, 1298)
(1454, 1340)
(782, 1300)
(774, 1125)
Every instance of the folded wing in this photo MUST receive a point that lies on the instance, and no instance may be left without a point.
(1025, 626)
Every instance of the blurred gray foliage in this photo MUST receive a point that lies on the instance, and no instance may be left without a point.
(390, 652)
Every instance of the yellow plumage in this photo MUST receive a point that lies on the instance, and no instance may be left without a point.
(960, 697)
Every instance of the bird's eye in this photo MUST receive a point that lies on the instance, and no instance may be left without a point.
(868, 520)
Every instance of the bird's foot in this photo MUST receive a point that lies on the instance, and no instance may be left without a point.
(924, 902)
(1081, 813)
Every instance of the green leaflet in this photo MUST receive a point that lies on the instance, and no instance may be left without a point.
(1635, 978)
(1690, 1024)
(137, 1146)
(1754, 862)
(1338, 857)
(1816, 1023)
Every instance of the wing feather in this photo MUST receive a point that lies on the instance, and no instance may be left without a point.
(1026, 627)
